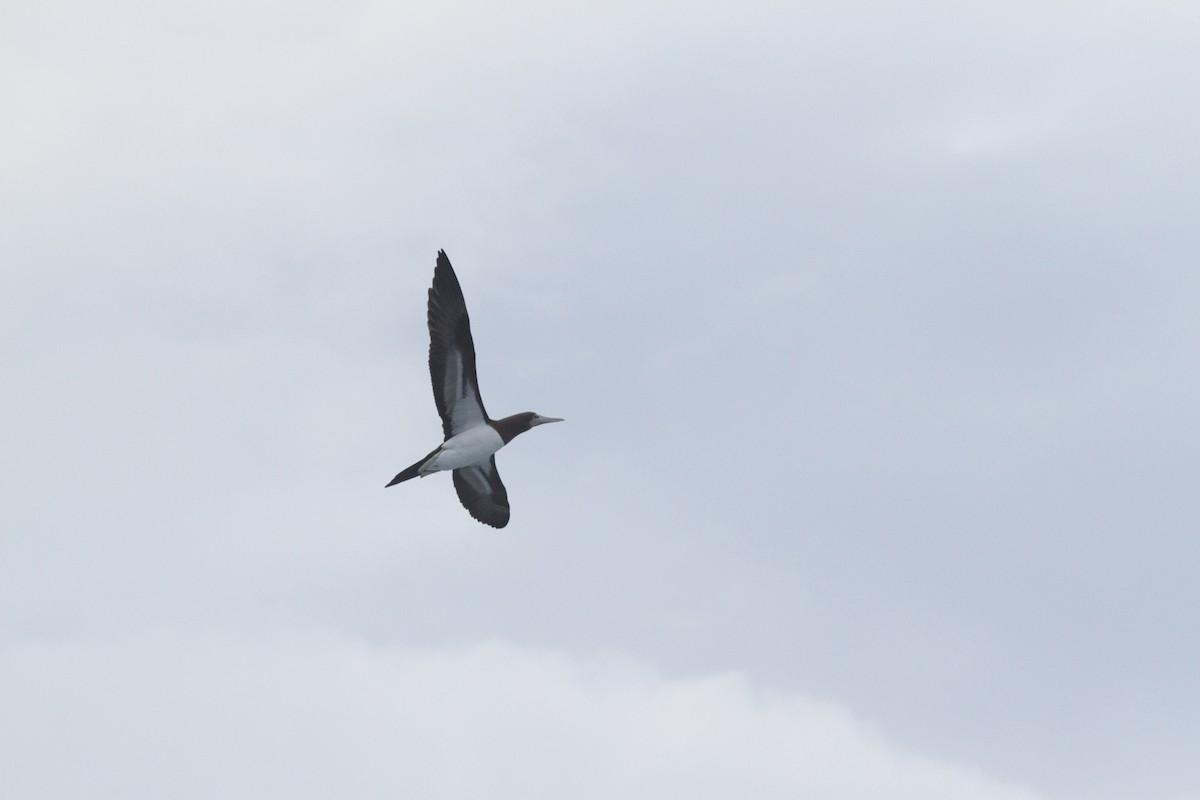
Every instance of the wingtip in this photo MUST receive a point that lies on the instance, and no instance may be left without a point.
(443, 271)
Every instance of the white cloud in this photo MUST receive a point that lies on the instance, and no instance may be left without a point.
(317, 716)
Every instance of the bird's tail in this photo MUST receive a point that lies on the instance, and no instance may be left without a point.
(411, 472)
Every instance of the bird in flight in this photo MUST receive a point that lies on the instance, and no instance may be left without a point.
(472, 437)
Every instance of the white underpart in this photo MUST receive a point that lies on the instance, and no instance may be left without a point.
(472, 446)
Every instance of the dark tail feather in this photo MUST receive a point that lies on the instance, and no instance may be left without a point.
(411, 472)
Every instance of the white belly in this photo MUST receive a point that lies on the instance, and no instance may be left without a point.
(472, 446)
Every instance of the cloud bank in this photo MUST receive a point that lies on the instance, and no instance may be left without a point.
(318, 716)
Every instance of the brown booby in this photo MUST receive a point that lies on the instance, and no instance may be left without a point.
(471, 436)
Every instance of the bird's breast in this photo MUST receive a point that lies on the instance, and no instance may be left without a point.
(472, 446)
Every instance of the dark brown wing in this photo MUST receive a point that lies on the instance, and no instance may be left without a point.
(452, 353)
(481, 493)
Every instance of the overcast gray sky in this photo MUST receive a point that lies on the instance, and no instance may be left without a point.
(875, 328)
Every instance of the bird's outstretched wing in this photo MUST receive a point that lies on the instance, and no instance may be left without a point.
(481, 493)
(452, 354)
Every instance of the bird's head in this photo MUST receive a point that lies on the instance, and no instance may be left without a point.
(510, 427)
